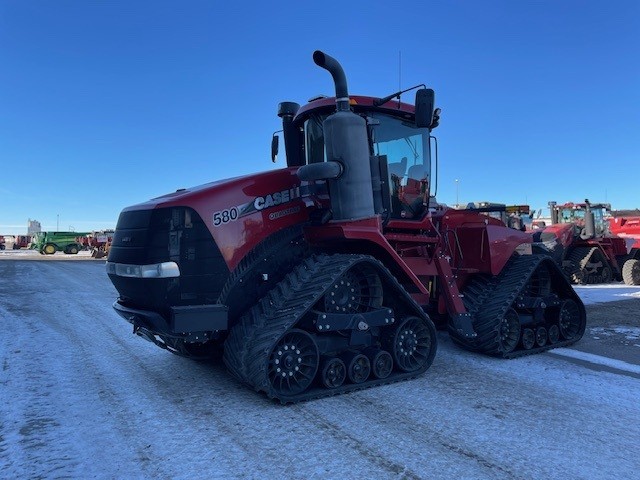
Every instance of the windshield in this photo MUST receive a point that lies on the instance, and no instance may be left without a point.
(598, 217)
(407, 152)
(569, 215)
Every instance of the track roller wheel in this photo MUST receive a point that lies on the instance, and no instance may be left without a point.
(358, 367)
(606, 275)
(528, 338)
(509, 331)
(541, 336)
(411, 344)
(358, 290)
(293, 363)
(569, 319)
(381, 362)
(334, 372)
(554, 334)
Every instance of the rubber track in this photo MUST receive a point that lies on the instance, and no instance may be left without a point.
(580, 257)
(250, 342)
(240, 291)
(497, 296)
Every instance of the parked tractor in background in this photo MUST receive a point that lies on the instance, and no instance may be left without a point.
(629, 229)
(580, 241)
(513, 216)
(2, 242)
(48, 243)
(21, 241)
(328, 275)
(100, 242)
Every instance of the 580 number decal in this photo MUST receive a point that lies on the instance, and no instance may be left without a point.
(225, 216)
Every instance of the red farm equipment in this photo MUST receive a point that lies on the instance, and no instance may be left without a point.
(579, 240)
(3, 243)
(97, 241)
(100, 243)
(21, 241)
(513, 216)
(333, 273)
(629, 229)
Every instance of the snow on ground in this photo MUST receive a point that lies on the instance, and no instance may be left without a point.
(24, 254)
(610, 292)
(81, 397)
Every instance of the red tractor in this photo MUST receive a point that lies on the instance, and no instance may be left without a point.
(332, 274)
(629, 229)
(580, 241)
(21, 241)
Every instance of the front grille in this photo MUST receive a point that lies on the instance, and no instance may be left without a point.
(175, 234)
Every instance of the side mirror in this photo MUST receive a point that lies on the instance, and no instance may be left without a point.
(274, 147)
(425, 100)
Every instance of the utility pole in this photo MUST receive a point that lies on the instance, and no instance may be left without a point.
(457, 192)
(58, 222)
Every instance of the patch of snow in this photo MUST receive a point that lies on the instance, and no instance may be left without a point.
(596, 359)
(609, 292)
(630, 333)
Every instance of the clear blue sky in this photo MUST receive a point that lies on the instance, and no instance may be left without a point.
(108, 104)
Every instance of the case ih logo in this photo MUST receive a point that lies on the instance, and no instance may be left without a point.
(278, 198)
(256, 205)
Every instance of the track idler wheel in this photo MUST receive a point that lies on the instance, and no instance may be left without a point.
(411, 344)
(358, 367)
(528, 338)
(569, 321)
(509, 331)
(334, 372)
(293, 363)
(381, 362)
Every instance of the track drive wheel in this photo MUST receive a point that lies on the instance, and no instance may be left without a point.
(293, 363)
(539, 284)
(509, 331)
(358, 290)
(334, 372)
(411, 344)
(569, 321)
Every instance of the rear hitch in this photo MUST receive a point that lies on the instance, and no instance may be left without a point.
(147, 335)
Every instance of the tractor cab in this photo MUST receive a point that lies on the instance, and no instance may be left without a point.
(398, 147)
(581, 215)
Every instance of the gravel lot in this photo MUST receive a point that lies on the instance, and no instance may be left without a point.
(81, 397)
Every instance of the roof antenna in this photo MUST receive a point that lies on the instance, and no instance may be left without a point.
(399, 75)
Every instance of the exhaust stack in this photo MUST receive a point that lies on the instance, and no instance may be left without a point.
(589, 230)
(554, 212)
(347, 149)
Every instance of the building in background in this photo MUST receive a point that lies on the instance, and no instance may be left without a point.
(33, 226)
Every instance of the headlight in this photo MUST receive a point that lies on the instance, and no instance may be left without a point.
(156, 270)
